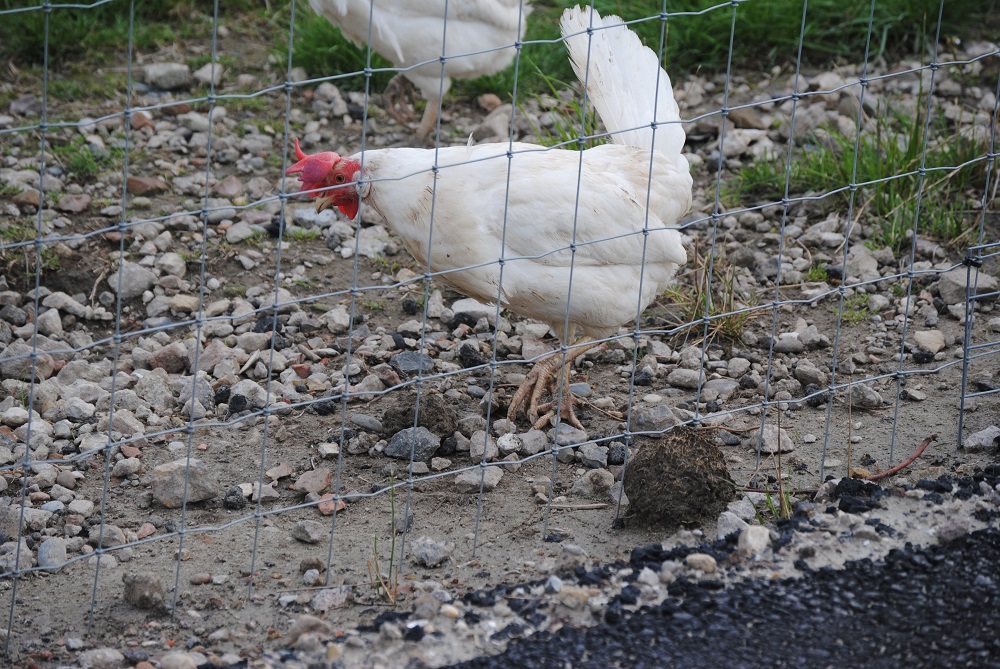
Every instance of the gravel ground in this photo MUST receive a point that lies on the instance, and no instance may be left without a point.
(244, 418)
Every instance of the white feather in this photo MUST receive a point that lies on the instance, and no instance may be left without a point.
(589, 234)
(407, 32)
(625, 83)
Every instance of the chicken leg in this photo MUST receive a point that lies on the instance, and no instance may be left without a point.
(428, 121)
(542, 378)
(399, 86)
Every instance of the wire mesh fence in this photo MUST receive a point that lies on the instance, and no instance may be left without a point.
(193, 372)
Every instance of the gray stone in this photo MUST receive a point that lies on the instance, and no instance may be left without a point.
(931, 341)
(239, 232)
(469, 481)
(812, 338)
(209, 73)
(144, 590)
(533, 442)
(864, 397)
(724, 388)
(729, 523)
(861, 263)
(372, 241)
(366, 422)
(789, 342)
(167, 76)
(126, 467)
(754, 540)
(52, 554)
(985, 439)
(952, 285)
(594, 456)
(65, 304)
(169, 478)
(807, 373)
(595, 484)
(310, 532)
(567, 435)
(101, 658)
(430, 553)
(474, 308)
(738, 367)
(769, 441)
(16, 363)
(510, 443)
(652, 419)
(412, 362)
(107, 536)
(684, 378)
(483, 447)
(172, 263)
(134, 279)
(256, 397)
(422, 441)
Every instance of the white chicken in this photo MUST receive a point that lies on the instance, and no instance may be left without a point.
(576, 240)
(480, 40)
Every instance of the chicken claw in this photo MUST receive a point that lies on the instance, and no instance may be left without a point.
(542, 378)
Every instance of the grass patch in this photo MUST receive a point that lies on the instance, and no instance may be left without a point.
(888, 157)
(816, 273)
(322, 50)
(697, 37)
(855, 308)
(7, 191)
(567, 119)
(83, 160)
(100, 33)
(727, 311)
(19, 259)
(297, 234)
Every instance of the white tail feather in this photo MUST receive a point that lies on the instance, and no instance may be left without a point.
(624, 81)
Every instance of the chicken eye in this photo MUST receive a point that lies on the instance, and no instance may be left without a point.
(339, 178)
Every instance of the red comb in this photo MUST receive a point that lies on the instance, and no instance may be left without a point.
(312, 169)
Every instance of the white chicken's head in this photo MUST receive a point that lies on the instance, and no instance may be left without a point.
(329, 179)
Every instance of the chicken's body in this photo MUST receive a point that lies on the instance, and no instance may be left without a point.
(480, 39)
(550, 234)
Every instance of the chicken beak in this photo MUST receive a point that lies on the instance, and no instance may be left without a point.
(323, 202)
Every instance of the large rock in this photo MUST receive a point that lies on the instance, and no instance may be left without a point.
(135, 279)
(951, 285)
(167, 76)
(468, 481)
(423, 442)
(168, 483)
(16, 363)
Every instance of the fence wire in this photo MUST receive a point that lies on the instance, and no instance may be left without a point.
(24, 530)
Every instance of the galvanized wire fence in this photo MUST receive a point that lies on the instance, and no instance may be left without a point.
(119, 329)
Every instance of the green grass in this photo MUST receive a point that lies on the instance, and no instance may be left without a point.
(82, 160)
(888, 158)
(816, 273)
(100, 34)
(855, 308)
(8, 191)
(22, 261)
(693, 297)
(766, 33)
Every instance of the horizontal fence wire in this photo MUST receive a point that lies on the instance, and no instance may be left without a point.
(282, 405)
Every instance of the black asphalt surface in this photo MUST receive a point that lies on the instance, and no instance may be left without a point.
(929, 607)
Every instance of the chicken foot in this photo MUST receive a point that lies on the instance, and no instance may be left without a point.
(542, 378)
